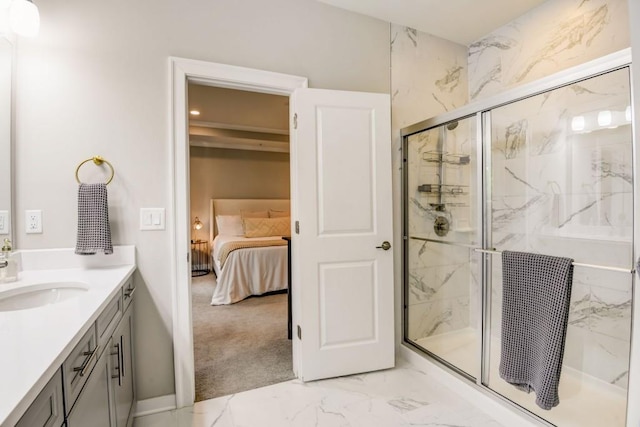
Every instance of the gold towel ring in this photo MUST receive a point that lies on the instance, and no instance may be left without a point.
(97, 160)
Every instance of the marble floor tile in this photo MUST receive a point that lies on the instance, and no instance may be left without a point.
(403, 396)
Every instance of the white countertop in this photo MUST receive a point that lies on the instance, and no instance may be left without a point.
(36, 341)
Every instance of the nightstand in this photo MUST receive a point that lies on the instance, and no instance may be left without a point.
(199, 258)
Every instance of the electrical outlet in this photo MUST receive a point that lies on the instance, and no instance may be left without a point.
(4, 222)
(33, 221)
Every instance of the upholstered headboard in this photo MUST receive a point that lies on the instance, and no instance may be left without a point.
(234, 206)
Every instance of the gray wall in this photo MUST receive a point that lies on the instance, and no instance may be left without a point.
(96, 81)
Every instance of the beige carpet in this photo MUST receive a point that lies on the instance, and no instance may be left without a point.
(241, 346)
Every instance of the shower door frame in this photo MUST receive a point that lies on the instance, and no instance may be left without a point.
(482, 112)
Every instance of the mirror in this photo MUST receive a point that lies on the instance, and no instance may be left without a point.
(6, 121)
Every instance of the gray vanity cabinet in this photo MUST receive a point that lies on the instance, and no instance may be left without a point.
(96, 381)
(108, 396)
(122, 370)
(93, 407)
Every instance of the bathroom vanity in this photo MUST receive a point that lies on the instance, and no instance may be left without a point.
(68, 328)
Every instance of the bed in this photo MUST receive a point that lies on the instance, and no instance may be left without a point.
(246, 266)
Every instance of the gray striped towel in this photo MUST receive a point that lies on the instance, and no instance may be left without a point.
(535, 309)
(94, 232)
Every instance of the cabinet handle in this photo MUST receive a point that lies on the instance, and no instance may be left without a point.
(122, 356)
(129, 292)
(87, 362)
(117, 368)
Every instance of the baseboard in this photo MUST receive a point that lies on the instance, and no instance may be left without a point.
(155, 405)
(470, 392)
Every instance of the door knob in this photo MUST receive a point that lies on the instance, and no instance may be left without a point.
(385, 245)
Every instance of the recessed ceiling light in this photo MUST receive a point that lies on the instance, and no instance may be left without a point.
(194, 112)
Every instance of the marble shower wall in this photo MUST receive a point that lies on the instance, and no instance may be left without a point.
(428, 77)
(537, 207)
(442, 280)
(554, 36)
(561, 185)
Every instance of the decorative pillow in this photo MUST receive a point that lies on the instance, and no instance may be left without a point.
(254, 214)
(278, 214)
(266, 227)
(229, 225)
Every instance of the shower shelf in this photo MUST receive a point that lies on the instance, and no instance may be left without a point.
(441, 207)
(448, 189)
(448, 158)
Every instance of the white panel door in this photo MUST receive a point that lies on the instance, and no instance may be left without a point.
(341, 156)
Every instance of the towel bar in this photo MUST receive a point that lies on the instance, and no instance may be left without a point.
(575, 264)
(495, 252)
(97, 160)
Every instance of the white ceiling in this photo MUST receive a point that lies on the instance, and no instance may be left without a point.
(236, 119)
(461, 21)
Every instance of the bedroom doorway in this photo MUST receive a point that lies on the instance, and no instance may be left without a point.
(238, 151)
(348, 125)
(182, 72)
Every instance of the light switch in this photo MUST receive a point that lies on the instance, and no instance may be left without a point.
(152, 219)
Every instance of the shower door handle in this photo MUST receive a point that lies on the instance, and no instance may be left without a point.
(385, 245)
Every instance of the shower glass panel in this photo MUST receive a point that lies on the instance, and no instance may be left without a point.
(561, 184)
(443, 225)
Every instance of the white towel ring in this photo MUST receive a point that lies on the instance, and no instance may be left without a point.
(97, 160)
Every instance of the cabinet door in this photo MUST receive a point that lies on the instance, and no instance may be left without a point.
(92, 407)
(46, 410)
(122, 362)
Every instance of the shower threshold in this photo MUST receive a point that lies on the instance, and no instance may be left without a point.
(585, 401)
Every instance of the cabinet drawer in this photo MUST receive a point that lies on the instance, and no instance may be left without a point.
(128, 290)
(77, 367)
(109, 318)
(46, 410)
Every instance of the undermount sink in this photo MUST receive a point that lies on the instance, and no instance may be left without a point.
(40, 294)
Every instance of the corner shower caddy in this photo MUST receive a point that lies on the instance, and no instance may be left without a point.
(440, 194)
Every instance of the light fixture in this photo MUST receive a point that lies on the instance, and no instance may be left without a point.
(24, 18)
(604, 118)
(197, 224)
(194, 112)
(577, 123)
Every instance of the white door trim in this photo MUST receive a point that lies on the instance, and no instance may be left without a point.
(212, 74)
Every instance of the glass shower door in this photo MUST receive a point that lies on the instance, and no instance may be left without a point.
(442, 280)
(561, 184)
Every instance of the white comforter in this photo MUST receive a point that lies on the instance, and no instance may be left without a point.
(249, 271)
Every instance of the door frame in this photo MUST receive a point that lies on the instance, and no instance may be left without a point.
(182, 71)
